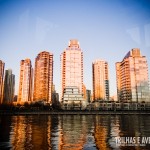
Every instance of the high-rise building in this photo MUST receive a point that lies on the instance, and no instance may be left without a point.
(132, 78)
(2, 65)
(72, 67)
(43, 77)
(100, 80)
(84, 91)
(88, 96)
(55, 97)
(25, 84)
(9, 86)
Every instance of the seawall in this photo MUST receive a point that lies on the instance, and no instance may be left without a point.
(74, 112)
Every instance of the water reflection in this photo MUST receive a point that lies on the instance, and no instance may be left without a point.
(75, 132)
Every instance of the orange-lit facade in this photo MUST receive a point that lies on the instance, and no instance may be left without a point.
(43, 77)
(2, 65)
(72, 67)
(100, 80)
(132, 78)
(84, 92)
(25, 84)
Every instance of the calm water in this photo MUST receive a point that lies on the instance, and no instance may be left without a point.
(71, 132)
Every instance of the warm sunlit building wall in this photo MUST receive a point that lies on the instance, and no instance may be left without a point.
(72, 66)
(84, 92)
(100, 80)
(43, 77)
(2, 66)
(132, 78)
(9, 86)
(25, 84)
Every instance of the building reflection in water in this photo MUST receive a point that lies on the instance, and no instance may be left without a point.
(75, 132)
(21, 133)
(101, 131)
(114, 131)
(108, 127)
(62, 132)
(31, 132)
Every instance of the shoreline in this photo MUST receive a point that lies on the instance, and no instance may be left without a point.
(74, 113)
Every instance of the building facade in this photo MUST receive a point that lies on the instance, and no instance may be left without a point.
(2, 66)
(55, 97)
(9, 86)
(25, 84)
(88, 96)
(132, 78)
(72, 67)
(100, 80)
(72, 98)
(43, 77)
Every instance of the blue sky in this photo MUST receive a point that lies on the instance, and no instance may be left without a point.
(106, 29)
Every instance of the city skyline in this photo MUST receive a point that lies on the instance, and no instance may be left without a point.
(131, 74)
(109, 35)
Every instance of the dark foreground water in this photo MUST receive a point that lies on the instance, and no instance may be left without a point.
(73, 132)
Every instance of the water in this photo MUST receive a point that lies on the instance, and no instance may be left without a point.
(71, 132)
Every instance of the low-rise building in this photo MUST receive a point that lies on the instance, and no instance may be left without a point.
(72, 99)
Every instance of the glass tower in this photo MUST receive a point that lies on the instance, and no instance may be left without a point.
(43, 77)
(9, 86)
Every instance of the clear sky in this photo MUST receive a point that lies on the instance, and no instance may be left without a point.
(106, 29)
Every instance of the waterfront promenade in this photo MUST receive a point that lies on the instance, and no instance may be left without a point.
(74, 112)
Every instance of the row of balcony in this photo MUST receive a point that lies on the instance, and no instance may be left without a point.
(118, 106)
